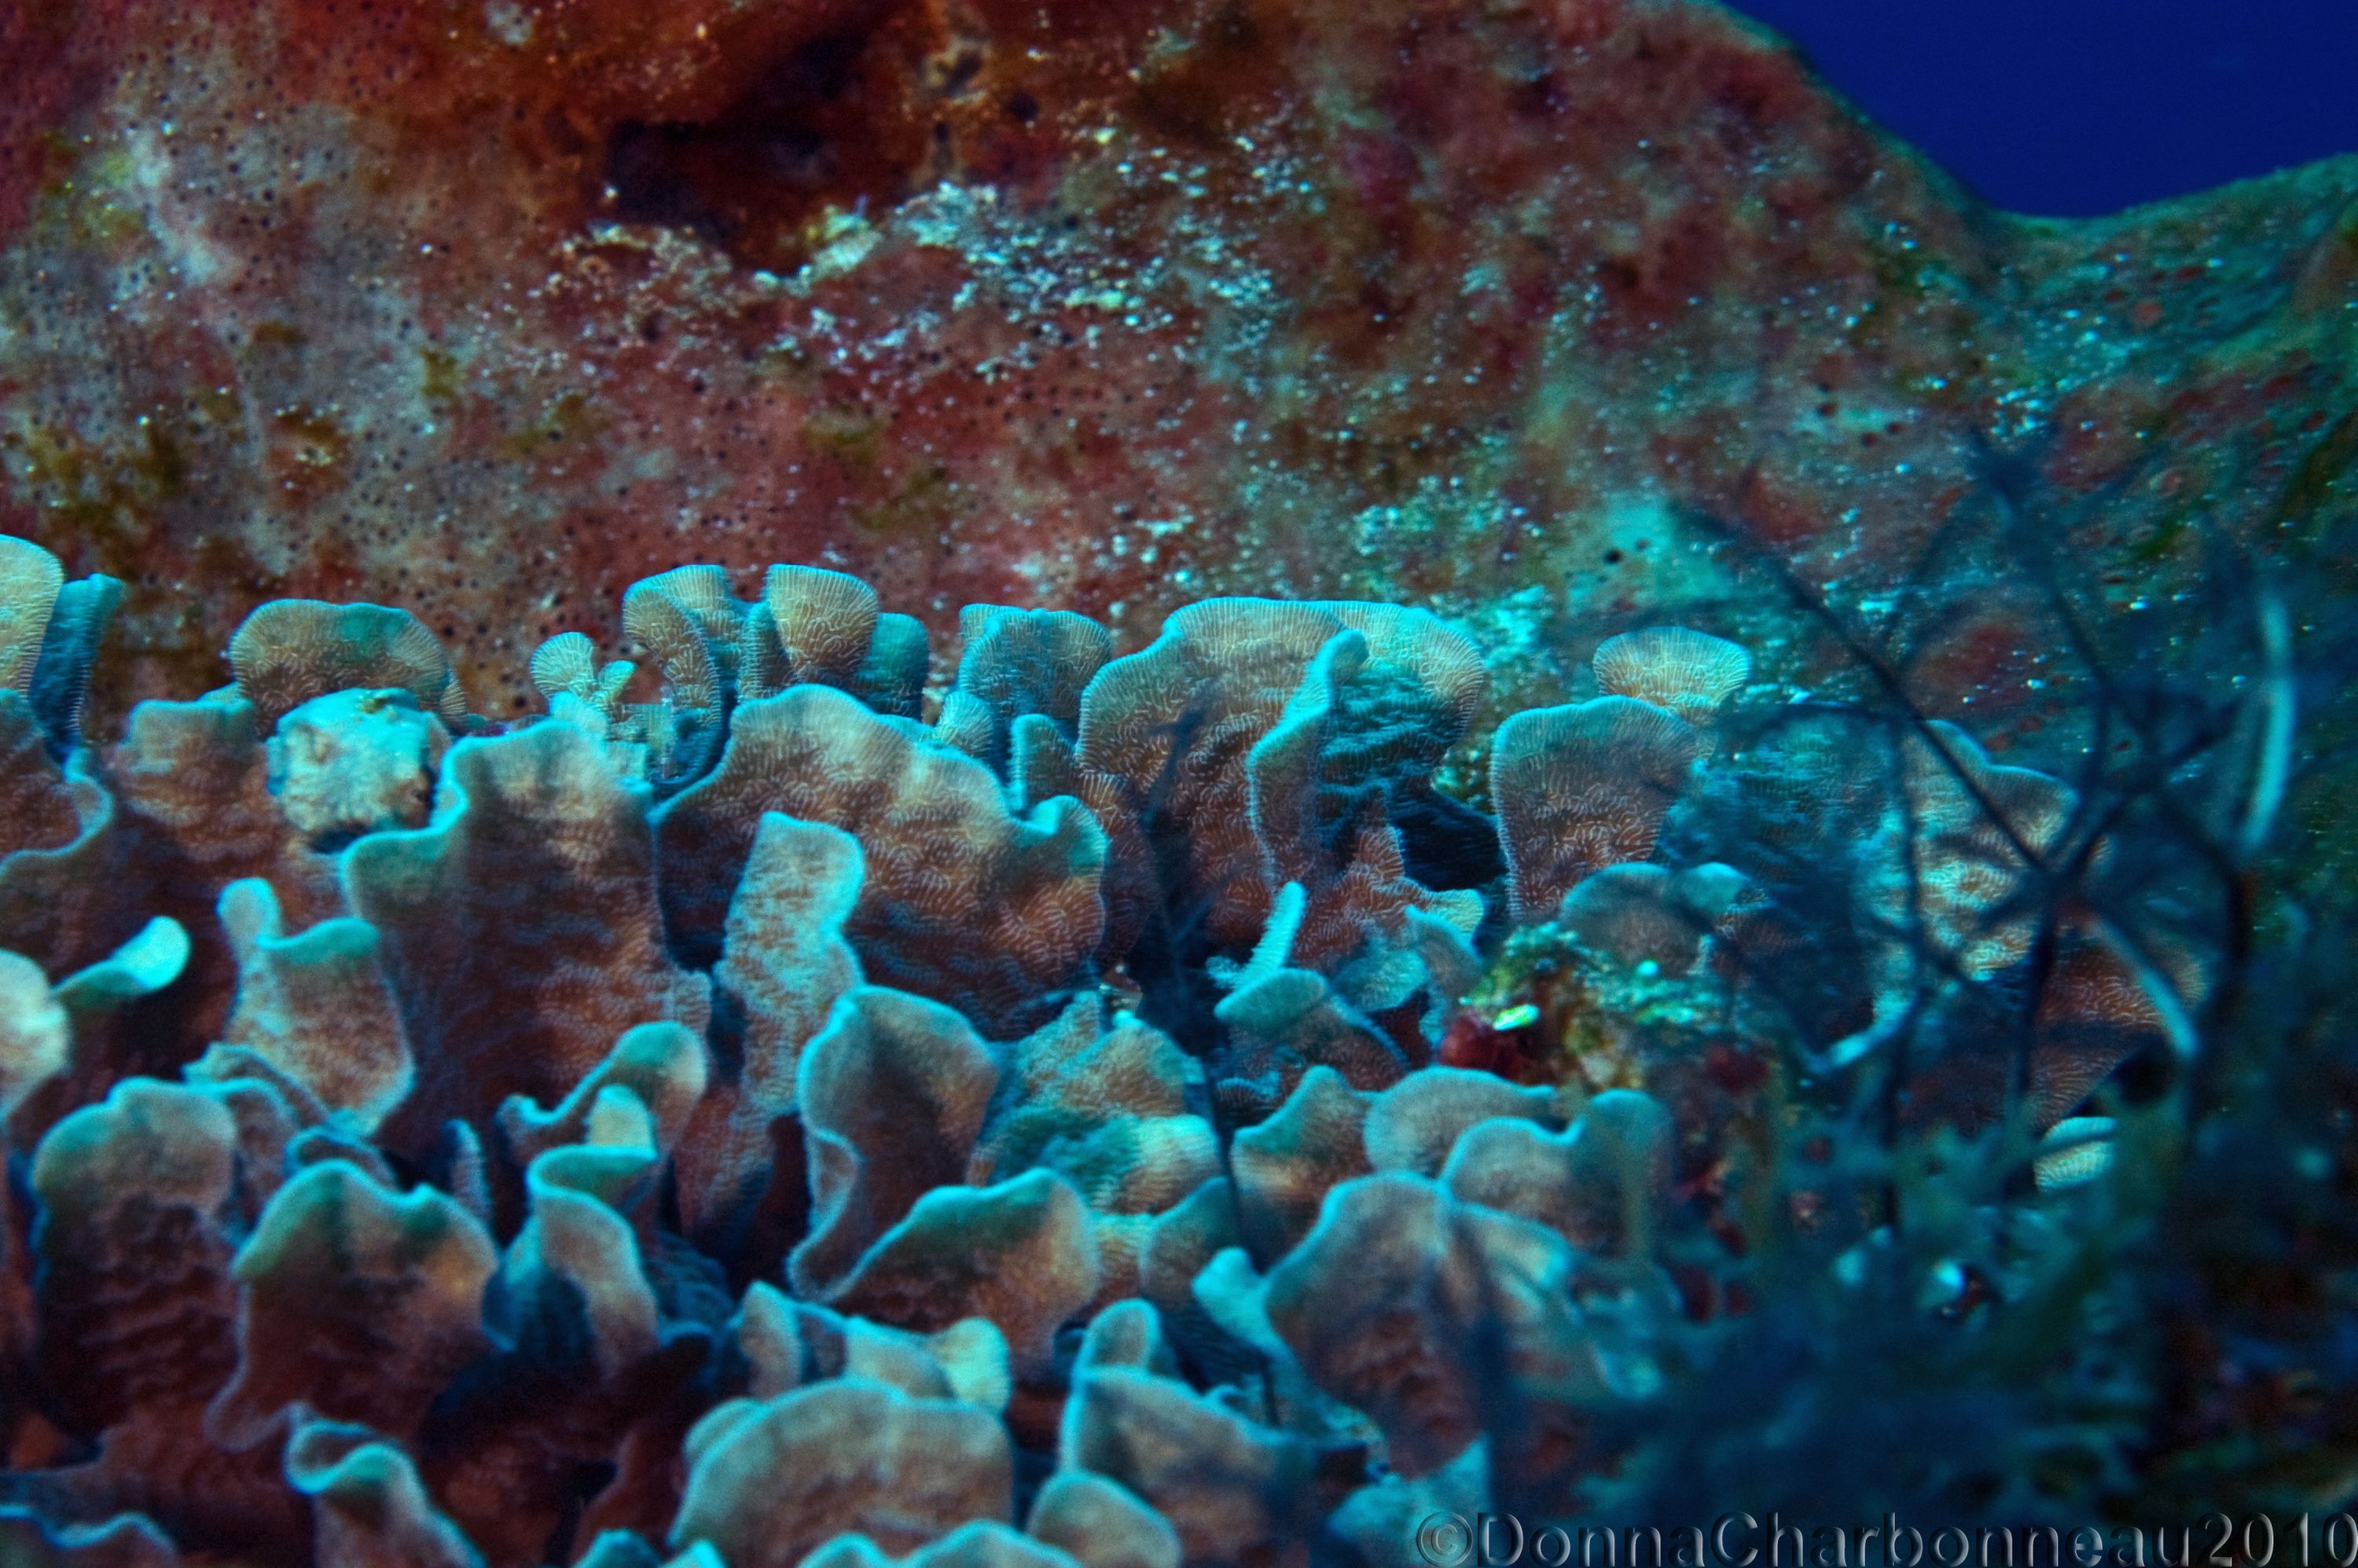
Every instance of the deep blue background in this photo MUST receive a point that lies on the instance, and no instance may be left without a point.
(2081, 106)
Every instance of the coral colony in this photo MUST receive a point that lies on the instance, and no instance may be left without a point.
(1197, 782)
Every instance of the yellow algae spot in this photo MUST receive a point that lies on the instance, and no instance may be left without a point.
(438, 377)
(927, 503)
(308, 438)
(308, 451)
(839, 241)
(567, 417)
(851, 436)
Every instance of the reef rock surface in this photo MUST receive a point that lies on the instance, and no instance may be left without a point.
(1528, 310)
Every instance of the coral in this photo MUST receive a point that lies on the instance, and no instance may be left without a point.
(41, 811)
(1643, 913)
(29, 580)
(190, 789)
(1283, 1022)
(1073, 1015)
(1018, 662)
(824, 621)
(893, 1095)
(521, 933)
(1394, 1298)
(368, 1502)
(1021, 1253)
(982, 1544)
(1348, 737)
(1583, 788)
(356, 1302)
(1415, 1124)
(316, 1005)
(771, 1481)
(1100, 1524)
(1602, 1183)
(124, 1542)
(789, 1344)
(56, 834)
(136, 1291)
(1232, 1491)
(785, 962)
(1111, 1111)
(1229, 744)
(291, 651)
(1285, 1166)
(138, 1304)
(1062, 1110)
(35, 1035)
(352, 763)
(60, 683)
(661, 1066)
(960, 900)
(1978, 833)
(1690, 673)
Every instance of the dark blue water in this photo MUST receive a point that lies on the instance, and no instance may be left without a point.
(2081, 106)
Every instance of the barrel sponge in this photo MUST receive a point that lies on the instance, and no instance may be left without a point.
(962, 901)
(291, 650)
(771, 1481)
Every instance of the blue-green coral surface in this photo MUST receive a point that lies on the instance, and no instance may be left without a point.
(1167, 1106)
